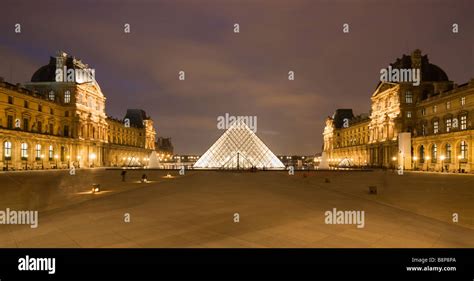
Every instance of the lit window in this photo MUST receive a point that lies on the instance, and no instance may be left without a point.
(434, 153)
(38, 151)
(463, 122)
(448, 125)
(408, 97)
(24, 151)
(67, 97)
(50, 152)
(463, 101)
(435, 127)
(435, 108)
(51, 95)
(463, 150)
(423, 111)
(448, 105)
(408, 114)
(448, 152)
(7, 150)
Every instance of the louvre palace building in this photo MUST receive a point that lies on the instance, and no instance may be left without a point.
(60, 123)
(432, 120)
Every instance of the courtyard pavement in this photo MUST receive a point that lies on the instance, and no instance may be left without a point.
(275, 209)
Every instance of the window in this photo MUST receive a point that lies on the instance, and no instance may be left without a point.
(51, 129)
(26, 124)
(66, 113)
(67, 97)
(448, 125)
(448, 105)
(408, 97)
(423, 129)
(63, 152)
(448, 152)
(463, 150)
(408, 114)
(38, 151)
(50, 152)
(51, 111)
(435, 127)
(463, 101)
(434, 153)
(51, 95)
(25, 104)
(66, 130)
(7, 150)
(24, 151)
(10, 122)
(40, 127)
(422, 154)
(423, 111)
(435, 108)
(40, 108)
(10, 100)
(463, 122)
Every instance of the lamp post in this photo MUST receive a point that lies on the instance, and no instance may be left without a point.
(68, 162)
(26, 162)
(427, 158)
(394, 158)
(79, 161)
(56, 157)
(42, 161)
(414, 162)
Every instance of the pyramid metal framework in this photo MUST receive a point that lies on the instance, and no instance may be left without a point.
(239, 148)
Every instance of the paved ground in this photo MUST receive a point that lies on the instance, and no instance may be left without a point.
(276, 210)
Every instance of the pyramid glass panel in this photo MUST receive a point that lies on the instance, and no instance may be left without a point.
(239, 148)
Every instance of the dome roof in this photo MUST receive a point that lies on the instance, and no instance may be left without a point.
(429, 72)
(45, 73)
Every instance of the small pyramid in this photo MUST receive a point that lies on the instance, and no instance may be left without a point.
(239, 148)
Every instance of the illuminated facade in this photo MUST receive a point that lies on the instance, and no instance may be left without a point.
(239, 148)
(438, 114)
(50, 124)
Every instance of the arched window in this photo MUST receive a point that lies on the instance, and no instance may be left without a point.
(434, 153)
(51, 95)
(24, 151)
(463, 150)
(67, 97)
(7, 150)
(422, 154)
(38, 151)
(50, 152)
(448, 152)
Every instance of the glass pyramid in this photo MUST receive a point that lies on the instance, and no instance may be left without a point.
(239, 148)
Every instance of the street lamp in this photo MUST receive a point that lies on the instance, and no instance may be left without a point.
(68, 162)
(427, 158)
(414, 162)
(79, 161)
(42, 161)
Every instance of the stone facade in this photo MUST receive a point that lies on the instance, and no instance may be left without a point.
(48, 124)
(438, 114)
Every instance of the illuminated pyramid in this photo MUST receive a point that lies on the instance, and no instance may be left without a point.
(239, 148)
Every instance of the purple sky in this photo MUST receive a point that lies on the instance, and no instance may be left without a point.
(239, 74)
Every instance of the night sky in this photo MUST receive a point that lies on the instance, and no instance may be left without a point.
(239, 74)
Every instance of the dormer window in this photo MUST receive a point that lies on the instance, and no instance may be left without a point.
(51, 95)
(67, 97)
